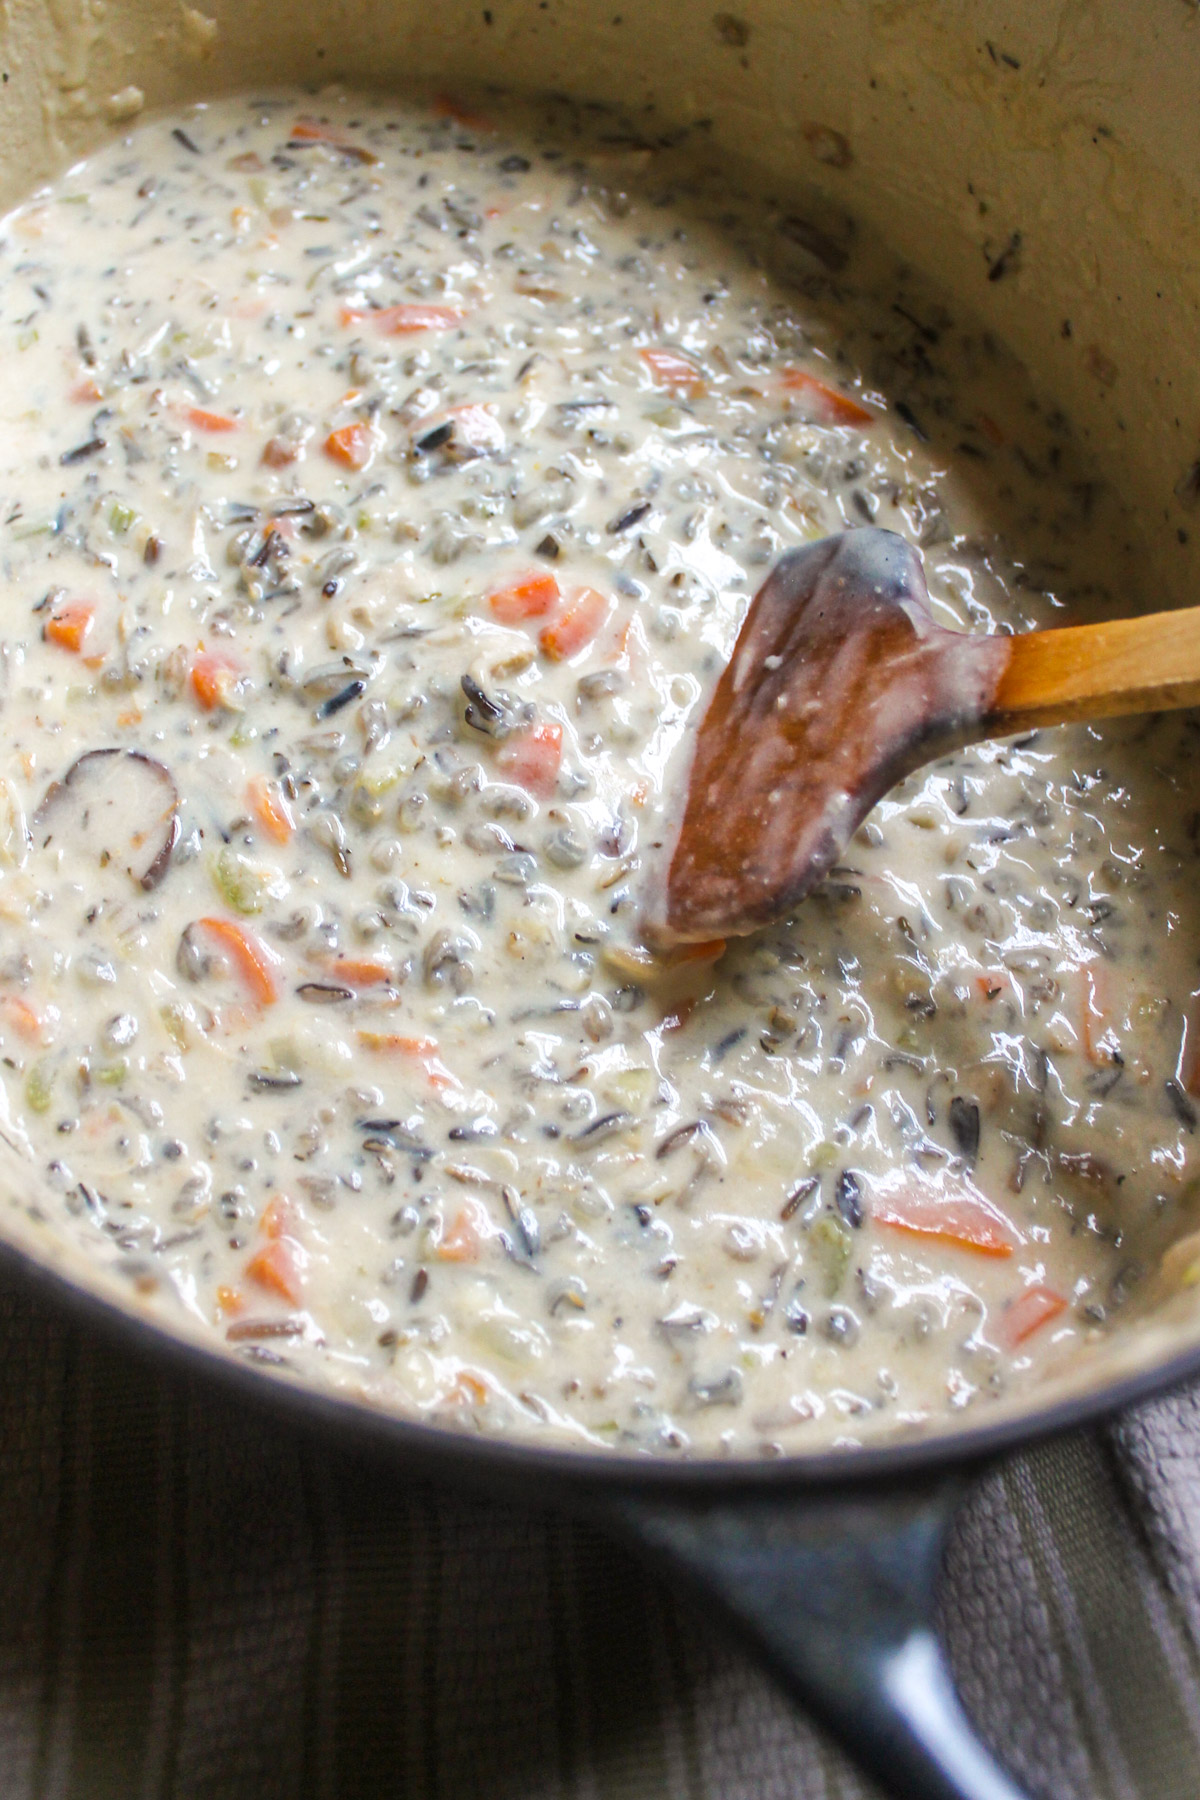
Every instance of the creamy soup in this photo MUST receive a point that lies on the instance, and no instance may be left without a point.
(383, 487)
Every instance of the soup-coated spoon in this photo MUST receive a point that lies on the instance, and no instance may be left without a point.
(841, 683)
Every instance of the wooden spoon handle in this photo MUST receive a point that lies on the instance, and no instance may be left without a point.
(1151, 664)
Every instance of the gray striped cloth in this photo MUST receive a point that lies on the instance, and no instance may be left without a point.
(196, 1601)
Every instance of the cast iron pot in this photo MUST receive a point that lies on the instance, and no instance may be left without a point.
(1044, 161)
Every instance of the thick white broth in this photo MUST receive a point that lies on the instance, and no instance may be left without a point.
(382, 489)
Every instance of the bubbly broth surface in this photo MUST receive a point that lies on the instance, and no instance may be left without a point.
(382, 489)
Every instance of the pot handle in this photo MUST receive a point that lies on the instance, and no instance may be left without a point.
(838, 1589)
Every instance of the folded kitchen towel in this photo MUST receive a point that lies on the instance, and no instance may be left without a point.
(196, 1600)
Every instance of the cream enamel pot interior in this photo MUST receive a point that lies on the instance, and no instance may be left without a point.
(1060, 146)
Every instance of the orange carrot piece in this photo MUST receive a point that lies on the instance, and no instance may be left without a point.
(278, 1217)
(422, 1050)
(532, 758)
(672, 369)
(828, 405)
(70, 626)
(270, 808)
(214, 676)
(711, 951)
(276, 1268)
(575, 628)
(961, 1217)
(229, 1300)
(204, 420)
(462, 1241)
(312, 131)
(86, 391)
(1029, 1312)
(255, 964)
(529, 597)
(391, 1040)
(350, 445)
(469, 1388)
(401, 321)
(358, 974)
(1096, 1032)
(25, 1021)
(993, 983)
(445, 106)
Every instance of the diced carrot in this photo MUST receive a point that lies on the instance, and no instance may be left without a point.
(130, 717)
(312, 131)
(575, 628)
(229, 1300)
(361, 974)
(993, 983)
(672, 369)
(276, 1267)
(70, 626)
(395, 1041)
(270, 808)
(214, 677)
(1029, 1312)
(350, 445)
(86, 392)
(255, 963)
(532, 758)
(960, 1216)
(446, 107)
(639, 793)
(530, 597)
(711, 951)
(422, 1050)
(204, 420)
(278, 1217)
(469, 1388)
(400, 321)
(464, 1237)
(827, 405)
(1099, 1041)
(25, 1021)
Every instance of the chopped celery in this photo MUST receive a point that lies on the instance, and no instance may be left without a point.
(631, 1088)
(121, 517)
(832, 1245)
(39, 1087)
(174, 1023)
(239, 882)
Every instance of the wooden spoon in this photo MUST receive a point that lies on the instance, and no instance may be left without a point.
(840, 684)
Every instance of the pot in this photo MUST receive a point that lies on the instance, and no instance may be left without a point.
(1043, 164)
